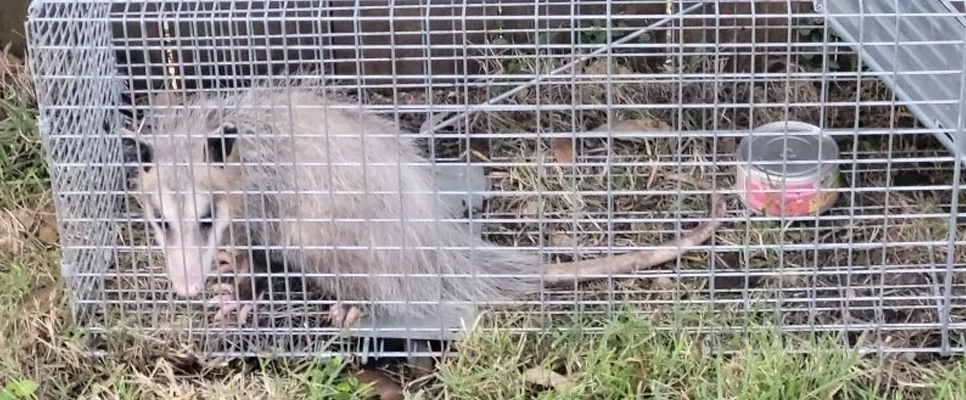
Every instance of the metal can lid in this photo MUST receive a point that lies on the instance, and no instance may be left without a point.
(802, 151)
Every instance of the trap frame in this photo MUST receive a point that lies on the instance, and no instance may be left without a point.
(523, 91)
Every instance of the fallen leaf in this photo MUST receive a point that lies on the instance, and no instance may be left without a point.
(385, 388)
(410, 98)
(48, 208)
(11, 59)
(27, 218)
(523, 96)
(563, 147)
(420, 366)
(41, 301)
(636, 125)
(10, 239)
(545, 377)
(790, 279)
(563, 150)
(563, 240)
(48, 234)
(528, 208)
(665, 285)
(597, 67)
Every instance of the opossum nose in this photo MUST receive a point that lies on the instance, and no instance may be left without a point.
(188, 291)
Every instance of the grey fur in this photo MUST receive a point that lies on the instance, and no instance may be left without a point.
(266, 149)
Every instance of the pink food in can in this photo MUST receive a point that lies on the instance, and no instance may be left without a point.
(788, 169)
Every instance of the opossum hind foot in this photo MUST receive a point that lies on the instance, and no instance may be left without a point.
(343, 316)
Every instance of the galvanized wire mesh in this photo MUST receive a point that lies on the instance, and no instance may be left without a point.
(517, 88)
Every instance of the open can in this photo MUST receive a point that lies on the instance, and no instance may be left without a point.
(788, 169)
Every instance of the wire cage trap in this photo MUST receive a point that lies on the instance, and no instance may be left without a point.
(555, 126)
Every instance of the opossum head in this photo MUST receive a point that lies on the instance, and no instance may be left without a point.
(180, 186)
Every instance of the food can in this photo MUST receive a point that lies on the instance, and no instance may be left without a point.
(788, 166)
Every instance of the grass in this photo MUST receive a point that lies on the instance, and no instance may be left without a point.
(659, 356)
(632, 357)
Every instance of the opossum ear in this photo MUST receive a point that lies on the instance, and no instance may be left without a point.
(136, 151)
(219, 148)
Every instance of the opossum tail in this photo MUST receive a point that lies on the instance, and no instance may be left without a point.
(508, 273)
(629, 262)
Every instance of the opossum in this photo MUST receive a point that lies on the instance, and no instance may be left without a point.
(305, 171)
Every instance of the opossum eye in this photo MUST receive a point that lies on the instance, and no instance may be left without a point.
(161, 222)
(206, 220)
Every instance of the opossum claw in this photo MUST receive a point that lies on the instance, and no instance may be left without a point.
(229, 303)
(224, 288)
(226, 302)
(343, 316)
(244, 312)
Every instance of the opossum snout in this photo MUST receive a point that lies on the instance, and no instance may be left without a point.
(187, 291)
(187, 271)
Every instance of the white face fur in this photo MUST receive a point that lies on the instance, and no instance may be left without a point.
(188, 219)
(189, 228)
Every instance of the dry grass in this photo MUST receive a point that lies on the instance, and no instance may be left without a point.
(653, 355)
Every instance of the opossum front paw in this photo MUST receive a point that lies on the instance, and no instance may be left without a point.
(227, 302)
(343, 316)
